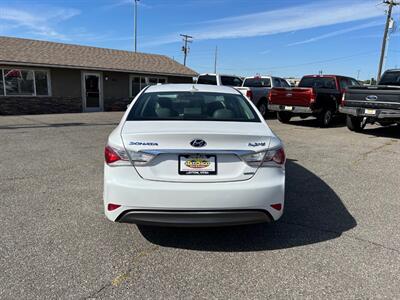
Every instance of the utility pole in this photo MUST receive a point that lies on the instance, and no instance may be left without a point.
(358, 74)
(390, 3)
(136, 1)
(185, 49)
(215, 59)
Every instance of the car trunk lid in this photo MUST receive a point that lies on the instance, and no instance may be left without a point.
(171, 141)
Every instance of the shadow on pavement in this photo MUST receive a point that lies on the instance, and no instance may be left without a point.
(338, 121)
(384, 131)
(313, 213)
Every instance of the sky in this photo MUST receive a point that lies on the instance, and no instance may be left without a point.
(287, 38)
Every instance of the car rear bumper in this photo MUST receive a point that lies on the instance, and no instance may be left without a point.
(215, 203)
(379, 113)
(293, 109)
(194, 218)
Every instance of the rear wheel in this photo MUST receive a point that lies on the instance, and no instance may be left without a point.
(263, 107)
(284, 117)
(354, 123)
(325, 118)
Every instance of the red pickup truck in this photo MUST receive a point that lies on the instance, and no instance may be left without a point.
(316, 95)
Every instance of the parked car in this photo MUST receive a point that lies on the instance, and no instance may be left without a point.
(370, 104)
(219, 79)
(316, 95)
(257, 88)
(195, 155)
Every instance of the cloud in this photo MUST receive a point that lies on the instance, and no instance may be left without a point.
(288, 19)
(337, 32)
(41, 24)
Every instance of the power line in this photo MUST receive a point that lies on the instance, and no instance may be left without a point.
(390, 3)
(185, 49)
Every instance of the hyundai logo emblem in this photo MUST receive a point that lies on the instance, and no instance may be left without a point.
(371, 97)
(198, 143)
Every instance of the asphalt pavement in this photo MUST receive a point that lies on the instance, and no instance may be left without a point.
(339, 237)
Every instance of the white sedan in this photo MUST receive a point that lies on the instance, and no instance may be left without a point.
(193, 155)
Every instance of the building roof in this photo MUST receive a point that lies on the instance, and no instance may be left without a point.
(19, 51)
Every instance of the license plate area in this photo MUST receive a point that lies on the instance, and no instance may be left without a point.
(370, 112)
(289, 108)
(197, 164)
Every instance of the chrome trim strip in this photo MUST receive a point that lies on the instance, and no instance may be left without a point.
(198, 151)
(375, 102)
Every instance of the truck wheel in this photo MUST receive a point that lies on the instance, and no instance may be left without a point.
(325, 118)
(284, 117)
(354, 123)
(263, 108)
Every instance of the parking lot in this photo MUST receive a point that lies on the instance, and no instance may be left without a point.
(339, 237)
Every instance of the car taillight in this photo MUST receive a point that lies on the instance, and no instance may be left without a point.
(114, 156)
(269, 158)
(275, 158)
(119, 157)
(313, 96)
(269, 96)
(249, 94)
(343, 98)
(140, 158)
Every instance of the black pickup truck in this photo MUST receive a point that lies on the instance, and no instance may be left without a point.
(373, 104)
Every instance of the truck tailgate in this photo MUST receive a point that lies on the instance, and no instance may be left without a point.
(373, 97)
(292, 96)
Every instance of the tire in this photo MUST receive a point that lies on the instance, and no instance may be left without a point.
(354, 123)
(325, 118)
(284, 117)
(263, 107)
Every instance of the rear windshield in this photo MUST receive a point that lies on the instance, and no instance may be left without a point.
(318, 82)
(207, 79)
(192, 106)
(257, 82)
(231, 81)
(390, 78)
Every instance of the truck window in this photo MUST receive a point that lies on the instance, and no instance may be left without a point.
(276, 81)
(231, 81)
(257, 82)
(318, 82)
(207, 79)
(390, 78)
(284, 83)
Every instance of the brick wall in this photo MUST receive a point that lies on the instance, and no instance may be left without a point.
(116, 104)
(39, 105)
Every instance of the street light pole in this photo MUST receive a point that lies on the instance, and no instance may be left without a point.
(390, 3)
(136, 1)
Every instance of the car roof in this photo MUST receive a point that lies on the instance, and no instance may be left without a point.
(261, 76)
(188, 87)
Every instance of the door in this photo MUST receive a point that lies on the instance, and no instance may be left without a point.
(92, 92)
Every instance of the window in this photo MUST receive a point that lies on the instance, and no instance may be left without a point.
(199, 106)
(276, 81)
(1, 83)
(207, 79)
(231, 81)
(19, 82)
(137, 83)
(346, 82)
(284, 83)
(41, 81)
(257, 82)
(318, 82)
(24, 82)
